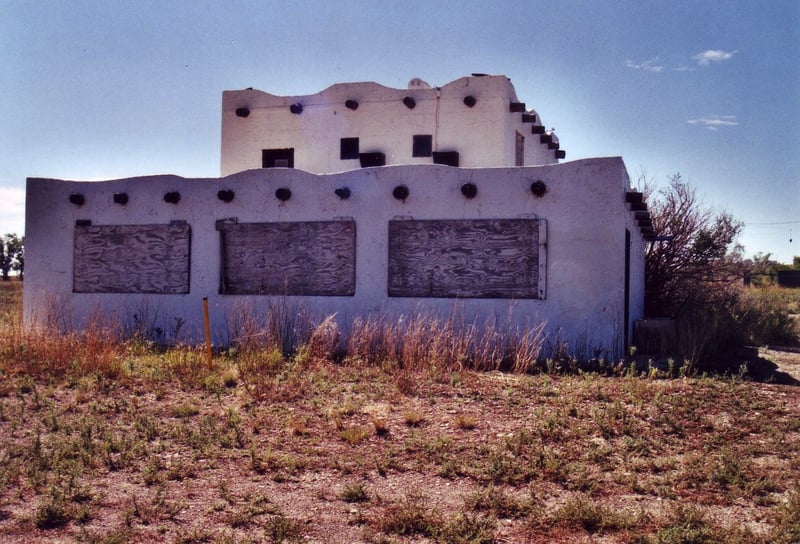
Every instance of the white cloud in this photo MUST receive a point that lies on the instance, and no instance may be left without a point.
(648, 66)
(12, 210)
(713, 122)
(713, 55)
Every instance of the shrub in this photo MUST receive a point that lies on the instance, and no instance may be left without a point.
(354, 435)
(686, 525)
(185, 410)
(413, 417)
(764, 317)
(468, 529)
(281, 528)
(787, 520)
(410, 516)
(257, 367)
(691, 270)
(495, 501)
(592, 517)
(354, 493)
(51, 515)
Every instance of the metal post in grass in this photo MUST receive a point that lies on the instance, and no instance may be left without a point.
(207, 324)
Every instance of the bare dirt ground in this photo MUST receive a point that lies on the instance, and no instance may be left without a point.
(327, 453)
(786, 361)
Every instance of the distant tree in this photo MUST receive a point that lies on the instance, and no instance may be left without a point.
(6, 259)
(19, 257)
(695, 257)
(12, 255)
(761, 271)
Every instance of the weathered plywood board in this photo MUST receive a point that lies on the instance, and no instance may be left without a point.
(484, 258)
(132, 259)
(291, 258)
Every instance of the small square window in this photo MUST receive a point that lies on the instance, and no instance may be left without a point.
(348, 148)
(423, 145)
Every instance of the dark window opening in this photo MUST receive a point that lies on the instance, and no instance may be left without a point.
(519, 150)
(277, 158)
(374, 158)
(423, 145)
(348, 148)
(627, 294)
(448, 158)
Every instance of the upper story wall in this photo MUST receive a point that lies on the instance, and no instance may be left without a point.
(477, 117)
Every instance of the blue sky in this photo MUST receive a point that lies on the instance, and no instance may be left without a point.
(710, 90)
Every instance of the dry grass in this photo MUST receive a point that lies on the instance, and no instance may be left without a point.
(106, 440)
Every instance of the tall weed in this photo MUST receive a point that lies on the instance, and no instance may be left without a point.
(424, 341)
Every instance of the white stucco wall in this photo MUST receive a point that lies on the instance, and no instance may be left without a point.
(584, 208)
(484, 135)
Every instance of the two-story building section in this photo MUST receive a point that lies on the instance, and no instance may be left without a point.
(474, 121)
(468, 217)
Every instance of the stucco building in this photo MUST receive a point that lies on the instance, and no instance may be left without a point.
(348, 202)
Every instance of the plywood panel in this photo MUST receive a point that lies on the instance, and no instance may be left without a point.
(486, 258)
(132, 259)
(290, 258)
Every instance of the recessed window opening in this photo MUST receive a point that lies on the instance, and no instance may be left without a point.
(374, 158)
(348, 148)
(448, 158)
(423, 145)
(519, 151)
(277, 158)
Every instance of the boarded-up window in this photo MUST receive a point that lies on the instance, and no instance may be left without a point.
(500, 258)
(292, 258)
(132, 259)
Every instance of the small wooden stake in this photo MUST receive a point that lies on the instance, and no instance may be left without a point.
(208, 331)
